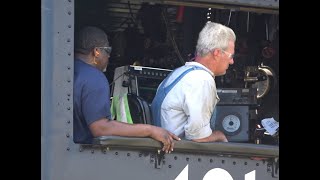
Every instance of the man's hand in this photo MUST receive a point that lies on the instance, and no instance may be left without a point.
(219, 136)
(165, 137)
(215, 136)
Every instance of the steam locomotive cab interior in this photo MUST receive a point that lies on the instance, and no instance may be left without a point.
(151, 38)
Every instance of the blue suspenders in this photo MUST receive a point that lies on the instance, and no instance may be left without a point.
(162, 93)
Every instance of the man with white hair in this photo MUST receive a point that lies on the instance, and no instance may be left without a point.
(186, 99)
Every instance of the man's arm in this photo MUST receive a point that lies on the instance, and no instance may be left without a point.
(105, 127)
(214, 136)
(198, 105)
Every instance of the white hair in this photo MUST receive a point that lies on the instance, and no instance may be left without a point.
(214, 36)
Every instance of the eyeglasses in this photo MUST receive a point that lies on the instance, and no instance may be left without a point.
(107, 49)
(231, 56)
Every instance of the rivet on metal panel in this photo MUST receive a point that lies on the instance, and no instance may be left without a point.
(245, 163)
(68, 121)
(69, 53)
(234, 163)
(269, 168)
(257, 164)
(68, 108)
(92, 151)
(68, 135)
(116, 153)
(199, 159)
(140, 154)
(69, 12)
(69, 26)
(69, 0)
(68, 149)
(69, 94)
(222, 161)
(80, 149)
(69, 80)
(169, 166)
(175, 158)
(211, 160)
(128, 154)
(68, 40)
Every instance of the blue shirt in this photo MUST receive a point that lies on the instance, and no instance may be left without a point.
(91, 100)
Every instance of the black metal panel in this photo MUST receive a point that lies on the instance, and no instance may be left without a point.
(236, 130)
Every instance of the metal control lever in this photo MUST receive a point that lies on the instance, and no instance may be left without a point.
(258, 134)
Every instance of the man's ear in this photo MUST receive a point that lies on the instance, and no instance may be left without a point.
(216, 52)
(96, 52)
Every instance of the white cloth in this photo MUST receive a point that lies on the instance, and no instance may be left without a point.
(187, 108)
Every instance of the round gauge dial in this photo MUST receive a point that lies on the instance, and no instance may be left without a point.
(231, 124)
(264, 82)
(263, 85)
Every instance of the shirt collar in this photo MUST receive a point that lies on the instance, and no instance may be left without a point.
(200, 65)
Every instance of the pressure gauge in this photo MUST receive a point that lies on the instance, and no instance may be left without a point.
(264, 79)
(263, 85)
(231, 124)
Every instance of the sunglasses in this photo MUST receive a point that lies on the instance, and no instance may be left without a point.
(107, 49)
(231, 56)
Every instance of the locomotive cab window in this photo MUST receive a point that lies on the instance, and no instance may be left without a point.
(147, 41)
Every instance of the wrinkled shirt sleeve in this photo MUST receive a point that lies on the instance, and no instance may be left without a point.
(200, 99)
